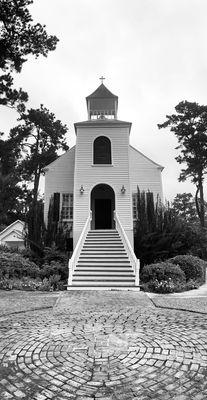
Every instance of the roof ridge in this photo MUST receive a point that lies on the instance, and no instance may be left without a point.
(101, 92)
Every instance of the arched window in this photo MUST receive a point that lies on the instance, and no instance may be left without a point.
(102, 150)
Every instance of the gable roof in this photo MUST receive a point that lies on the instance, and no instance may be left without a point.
(147, 158)
(57, 159)
(11, 228)
(102, 92)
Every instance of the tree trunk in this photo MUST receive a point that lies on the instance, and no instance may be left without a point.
(202, 209)
(200, 203)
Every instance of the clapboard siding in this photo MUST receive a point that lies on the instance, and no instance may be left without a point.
(144, 173)
(90, 175)
(59, 177)
(129, 168)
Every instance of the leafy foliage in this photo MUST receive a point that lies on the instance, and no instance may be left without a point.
(162, 271)
(38, 139)
(14, 265)
(160, 233)
(55, 269)
(31, 284)
(17, 271)
(12, 195)
(183, 272)
(35, 228)
(193, 267)
(189, 124)
(19, 38)
(184, 206)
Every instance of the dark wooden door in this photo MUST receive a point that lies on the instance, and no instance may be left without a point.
(103, 214)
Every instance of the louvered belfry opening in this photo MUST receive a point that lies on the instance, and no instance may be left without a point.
(102, 104)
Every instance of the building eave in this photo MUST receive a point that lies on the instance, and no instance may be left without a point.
(4, 232)
(103, 123)
(157, 165)
(46, 169)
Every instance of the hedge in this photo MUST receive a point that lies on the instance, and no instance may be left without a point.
(162, 271)
(14, 265)
(193, 267)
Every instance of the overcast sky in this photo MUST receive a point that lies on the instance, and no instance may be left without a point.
(153, 54)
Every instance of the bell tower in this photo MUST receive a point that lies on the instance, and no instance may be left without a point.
(101, 176)
(102, 104)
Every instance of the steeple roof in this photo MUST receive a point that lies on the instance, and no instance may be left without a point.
(102, 92)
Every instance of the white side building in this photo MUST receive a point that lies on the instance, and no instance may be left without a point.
(95, 181)
(13, 236)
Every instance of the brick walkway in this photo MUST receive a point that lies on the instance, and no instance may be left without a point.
(103, 345)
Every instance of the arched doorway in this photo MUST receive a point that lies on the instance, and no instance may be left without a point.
(102, 206)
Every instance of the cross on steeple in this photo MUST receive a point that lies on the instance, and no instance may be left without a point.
(102, 78)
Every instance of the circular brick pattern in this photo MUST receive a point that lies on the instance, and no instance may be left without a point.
(104, 346)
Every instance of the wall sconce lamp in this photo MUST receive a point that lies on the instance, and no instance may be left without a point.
(123, 189)
(81, 189)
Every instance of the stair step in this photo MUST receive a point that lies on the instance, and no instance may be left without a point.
(103, 254)
(120, 287)
(106, 250)
(105, 270)
(103, 237)
(110, 274)
(103, 263)
(103, 234)
(98, 242)
(103, 258)
(103, 231)
(103, 279)
(106, 260)
(104, 244)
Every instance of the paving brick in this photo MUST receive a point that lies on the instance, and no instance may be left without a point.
(103, 345)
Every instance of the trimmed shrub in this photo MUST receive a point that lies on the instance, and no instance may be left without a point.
(53, 254)
(163, 271)
(164, 286)
(54, 268)
(14, 265)
(193, 267)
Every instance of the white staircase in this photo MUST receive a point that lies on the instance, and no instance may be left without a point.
(102, 263)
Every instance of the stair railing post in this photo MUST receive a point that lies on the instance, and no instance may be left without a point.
(137, 267)
(70, 273)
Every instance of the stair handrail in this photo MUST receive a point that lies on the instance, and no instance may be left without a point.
(73, 260)
(130, 252)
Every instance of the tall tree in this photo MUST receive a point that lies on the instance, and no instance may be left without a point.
(189, 124)
(19, 38)
(39, 136)
(11, 193)
(184, 206)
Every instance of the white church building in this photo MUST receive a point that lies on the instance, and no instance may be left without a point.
(96, 181)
